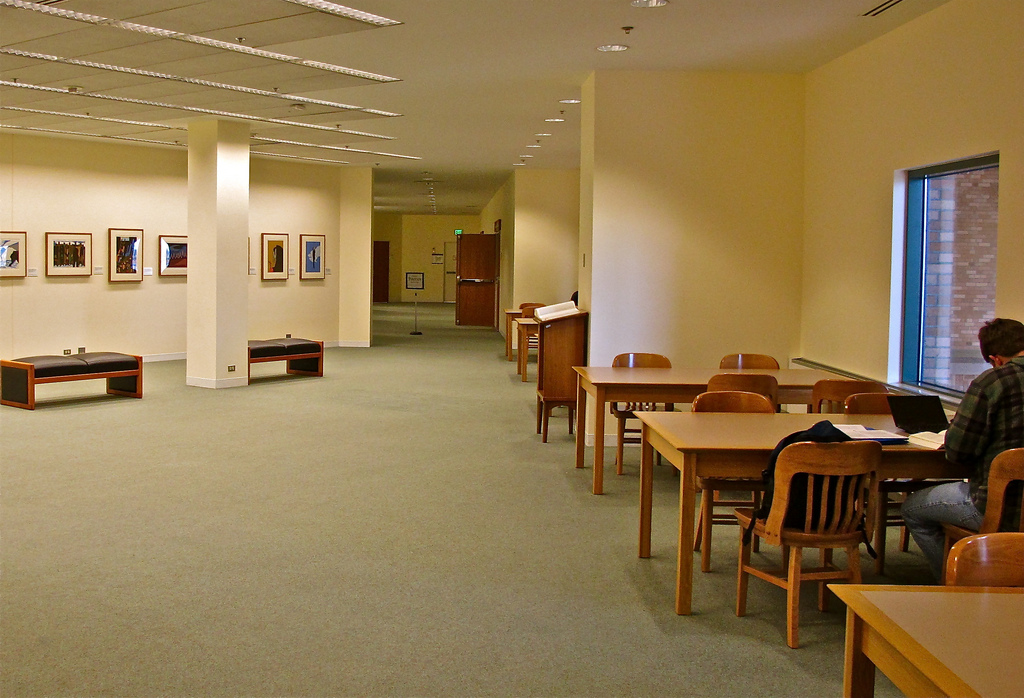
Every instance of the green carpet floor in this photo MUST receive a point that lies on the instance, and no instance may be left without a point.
(395, 528)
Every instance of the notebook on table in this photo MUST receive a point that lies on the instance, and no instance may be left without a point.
(921, 417)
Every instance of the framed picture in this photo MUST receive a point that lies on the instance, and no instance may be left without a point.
(12, 253)
(173, 255)
(274, 256)
(312, 264)
(414, 280)
(125, 252)
(68, 254)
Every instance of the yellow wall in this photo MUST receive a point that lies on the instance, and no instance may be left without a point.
(502, 206)
(697, 214)
(948, 85)
(547, 229)
(422, 235)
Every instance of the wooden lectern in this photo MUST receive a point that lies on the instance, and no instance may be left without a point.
(563, 344)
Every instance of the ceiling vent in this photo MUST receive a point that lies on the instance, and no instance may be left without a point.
(887, 5)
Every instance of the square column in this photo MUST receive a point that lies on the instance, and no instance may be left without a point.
(218, 234)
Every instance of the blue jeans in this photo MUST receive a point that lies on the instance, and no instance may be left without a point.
(926, 510)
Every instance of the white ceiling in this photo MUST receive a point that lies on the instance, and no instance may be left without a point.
(476, 79)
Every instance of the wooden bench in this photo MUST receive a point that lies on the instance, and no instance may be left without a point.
(19, 377)
(305, 357)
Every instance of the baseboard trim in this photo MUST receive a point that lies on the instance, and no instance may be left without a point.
(174, 356)
(216, 383)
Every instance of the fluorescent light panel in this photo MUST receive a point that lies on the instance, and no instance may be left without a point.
(347, 12)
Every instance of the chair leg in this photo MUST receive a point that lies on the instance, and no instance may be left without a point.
(547, 415)
(572, 419)
(904, 539)
(742, 577)
(853, 560)
(756, 497)
(619, 445)
(707, 514)
(540, 409)
(881, 517)
(826, 561)
(793, 598)
(698, 534)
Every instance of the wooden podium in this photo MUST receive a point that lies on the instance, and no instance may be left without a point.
(563, 344)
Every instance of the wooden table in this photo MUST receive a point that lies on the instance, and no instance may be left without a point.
(510, 315)
(719, 445)
(677, 385)
(528, 327)
(933, 641)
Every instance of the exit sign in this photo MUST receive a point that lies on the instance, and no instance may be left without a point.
(458, 231)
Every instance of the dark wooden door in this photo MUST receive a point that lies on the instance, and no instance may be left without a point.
(476, 296)
(381, 271)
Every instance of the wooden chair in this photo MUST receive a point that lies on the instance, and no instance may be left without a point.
(623, 411)
(1005, 485)
(711, 489)
(832, 393)
(529, 337)
(747, 382)
(987, 560)
(748, 361)
(847, 473)
(888, 510)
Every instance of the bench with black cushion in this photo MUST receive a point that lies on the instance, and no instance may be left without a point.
(305, 357)
(19, 377)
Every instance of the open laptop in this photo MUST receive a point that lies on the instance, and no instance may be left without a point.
(914, 413)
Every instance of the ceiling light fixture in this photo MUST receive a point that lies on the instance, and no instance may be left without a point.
(554, 120)
(542, 134)
(343, 148)
(191, 38)
(64, 132)
(613, 48)
(346, 12)
(649, 3)
(569, 101)
(534, 145)
(112, 120)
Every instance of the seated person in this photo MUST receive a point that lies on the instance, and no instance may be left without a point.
(990, 420)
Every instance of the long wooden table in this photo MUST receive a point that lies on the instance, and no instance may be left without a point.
(676, 385)
(738, 445)
(933, 641)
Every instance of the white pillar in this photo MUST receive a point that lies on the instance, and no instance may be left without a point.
(218, 234)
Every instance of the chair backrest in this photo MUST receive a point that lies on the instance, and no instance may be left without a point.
(528, 310)
(748, 361)
(1005, 493)
(747, 382)
(987, 560)
(834, 392)
(524, 306)
(641, 360)
(732, 401)
(825, 489)
(867, 403)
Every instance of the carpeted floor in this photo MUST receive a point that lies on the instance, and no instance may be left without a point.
(395, 528)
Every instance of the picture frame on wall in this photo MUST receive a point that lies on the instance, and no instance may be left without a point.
(274, 256)
(12, 253)
(69, 254)
(311, 247)
(414, 280)
(173, 255)
(125, 254)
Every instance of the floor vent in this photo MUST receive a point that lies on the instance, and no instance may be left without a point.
(887, 5)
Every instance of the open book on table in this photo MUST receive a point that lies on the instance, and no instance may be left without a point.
(928, 439)
(858, 432)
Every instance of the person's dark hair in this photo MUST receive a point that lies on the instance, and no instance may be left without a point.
(1001, 337)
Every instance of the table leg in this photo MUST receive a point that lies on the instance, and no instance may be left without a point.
(684, 562)
(581, 421)
(859, 671)
(508, 337)
(646, 492)
(599, 409)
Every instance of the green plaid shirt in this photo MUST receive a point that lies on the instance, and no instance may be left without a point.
(990, 420)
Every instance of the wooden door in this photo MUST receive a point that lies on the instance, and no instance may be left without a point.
(450, 270)
(381, 271)
(476, 280)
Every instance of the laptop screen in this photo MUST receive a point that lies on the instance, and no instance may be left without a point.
(914, 413)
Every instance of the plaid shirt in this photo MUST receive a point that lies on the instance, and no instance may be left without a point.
(990, 420)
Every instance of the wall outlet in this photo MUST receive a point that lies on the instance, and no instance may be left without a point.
(288, 336)
(67, 352)
(81, 350)
(231, 368)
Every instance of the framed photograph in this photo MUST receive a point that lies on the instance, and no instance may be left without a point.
(414, 280)
(312, 264)
(125, 252)
(274, 256)
(68, 254)
(12, 253)
(173, 255)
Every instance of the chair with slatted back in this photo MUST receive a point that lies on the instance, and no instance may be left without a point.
(833, 509)
(748, 361)
(829, 395)
(760, 383)
(711, 489)
(987, 560)
(1004, 502)
(623, 411)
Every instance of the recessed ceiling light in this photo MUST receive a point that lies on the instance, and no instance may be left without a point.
(542, 134)
(526, 156)
(568, 101)
(613, 48)
(535, 145)
(518, 164)
(554, 120)
(649, 3)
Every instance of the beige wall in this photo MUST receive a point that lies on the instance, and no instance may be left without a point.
(503, 206)
(547, 229)
(948, 85)
(422, 235)
(59, 184)
(697, 214)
